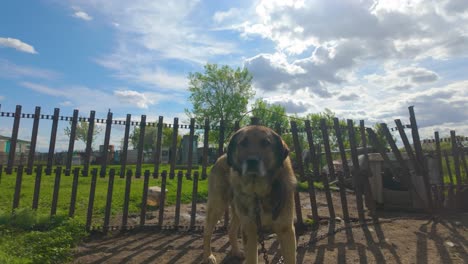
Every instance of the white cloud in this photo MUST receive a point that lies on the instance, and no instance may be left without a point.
(134, 98)
(86, 99)
(402, 78)
(10, 70)
(44, 89)
(17, 44)
(82, 15)
(150, 33)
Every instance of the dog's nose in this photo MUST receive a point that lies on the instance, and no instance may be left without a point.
(252, 164)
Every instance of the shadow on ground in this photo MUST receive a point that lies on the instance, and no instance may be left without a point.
(417, 239)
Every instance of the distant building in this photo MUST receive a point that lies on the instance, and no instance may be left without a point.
(22, 148)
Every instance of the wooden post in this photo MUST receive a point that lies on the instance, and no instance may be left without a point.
(451, 196)
(71, 211)
(456, 160)
(14, 139)
(144, 198)
(92, 193)
(37, 187)
(193, 211)
(157, 154)
(358, 182)
(105, 151)
(53, 137)
(440, 169)
(128, 184)
(369, 197)
(140, 147)
(58, 174)
(32, 148)
(420, 156)
(124, 155)
(312, 197)
(190, 149)
(174, 148)
(110, 188)
(19, 180)
(163, 198)
(300, 168)
(71, 143)
(326, 185)
(89, 142)
(344, 161)
(178, 198)
(205, 148)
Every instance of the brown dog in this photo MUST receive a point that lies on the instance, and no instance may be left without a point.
(254, 177)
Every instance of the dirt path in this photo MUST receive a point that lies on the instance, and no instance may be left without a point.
(410, 239)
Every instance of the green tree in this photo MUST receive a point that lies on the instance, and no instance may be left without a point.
(220, 94)
(151, 133)
(270, 114)
(81, 133)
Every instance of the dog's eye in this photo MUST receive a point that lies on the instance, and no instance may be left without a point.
(265, 143)
(244, 142)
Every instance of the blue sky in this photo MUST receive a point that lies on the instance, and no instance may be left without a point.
(362, 59)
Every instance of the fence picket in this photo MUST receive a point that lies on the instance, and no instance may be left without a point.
(451, 195)
(37, 187)
(162, 199)
(420, 155)
(32, 147)
(456, 160)
(357, 176)
(366, 173)
(144, 198)
(105, 149)
(173, 152)
(193, 211)
(157, 153)
(441, 194)
(92, 192)
(53, 138)
(110, 188)
(128, 184)
(140, 146)
(178, 197)
(316, 173)
(71, 211)
(205, 148)
(19, 180)
(71, 143)
(89, 142)
(344, 161)
(58, 174)
(123, 157)
(14, 139)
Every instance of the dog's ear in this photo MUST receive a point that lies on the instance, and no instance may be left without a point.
(231, 149)
(281, 149)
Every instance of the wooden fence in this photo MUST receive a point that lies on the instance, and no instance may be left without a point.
(407, 167)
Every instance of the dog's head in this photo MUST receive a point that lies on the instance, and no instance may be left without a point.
(256, 150)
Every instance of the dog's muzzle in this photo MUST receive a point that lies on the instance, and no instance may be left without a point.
(253, 166)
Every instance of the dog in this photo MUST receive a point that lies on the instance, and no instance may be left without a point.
(255, 178)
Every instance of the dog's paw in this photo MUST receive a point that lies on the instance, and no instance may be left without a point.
(210, 260)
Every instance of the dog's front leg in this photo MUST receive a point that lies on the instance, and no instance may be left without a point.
(249, 239)
(212, 217)
(287, 240)
(233, 232)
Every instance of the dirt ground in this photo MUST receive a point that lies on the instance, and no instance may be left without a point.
(398, 237)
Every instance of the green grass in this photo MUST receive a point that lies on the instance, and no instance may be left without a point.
(7, 187)
(29, 237)
(446, 177)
